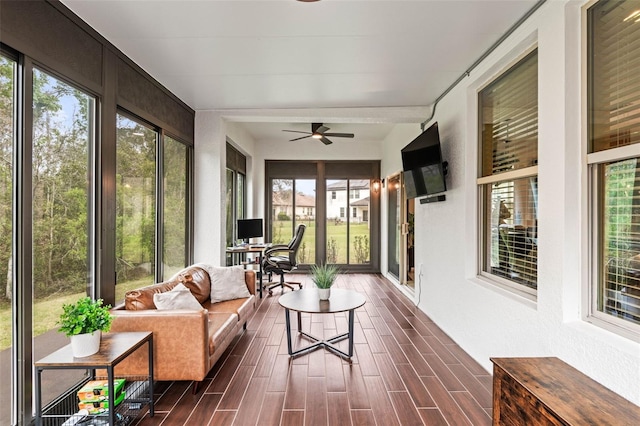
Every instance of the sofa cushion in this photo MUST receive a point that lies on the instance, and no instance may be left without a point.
(142, 298)
(242, 307)
(227, 283)
(179, 297)
(196, 280)
(220, 325)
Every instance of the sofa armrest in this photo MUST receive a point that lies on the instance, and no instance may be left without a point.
(250, 280)
(180, 343)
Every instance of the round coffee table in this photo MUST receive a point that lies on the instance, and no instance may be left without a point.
(308, 301)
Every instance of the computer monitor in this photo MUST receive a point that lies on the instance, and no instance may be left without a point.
(249, 228)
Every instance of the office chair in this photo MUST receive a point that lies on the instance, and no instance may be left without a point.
(280, 259)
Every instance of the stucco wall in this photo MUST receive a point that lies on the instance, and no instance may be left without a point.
(485, 320)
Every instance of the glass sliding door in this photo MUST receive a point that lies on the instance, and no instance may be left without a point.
(336, 221)
(347, 221)
(282, 210)
(8, 69)
(337, 203)
(394, 200)
(305, 212)
(175, 202)
(289, 211)
(359, 207)
(62, 205)
(135, 205)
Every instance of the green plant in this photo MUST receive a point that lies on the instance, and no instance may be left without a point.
(324, 275)
(85, 316)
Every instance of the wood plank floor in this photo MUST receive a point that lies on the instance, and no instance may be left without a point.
(405, 371)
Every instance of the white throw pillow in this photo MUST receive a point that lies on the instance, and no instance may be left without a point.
(179, 297)
(227, 283)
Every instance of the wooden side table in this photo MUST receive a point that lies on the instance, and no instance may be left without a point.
(114, 347)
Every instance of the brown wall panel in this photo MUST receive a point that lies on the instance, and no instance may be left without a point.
(39, 30)
(137, 90)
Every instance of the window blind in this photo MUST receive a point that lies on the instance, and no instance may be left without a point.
(509, 119)
(614, 80)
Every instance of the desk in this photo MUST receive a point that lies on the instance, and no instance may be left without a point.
(114, 347)
(236, 253)
(307, 300)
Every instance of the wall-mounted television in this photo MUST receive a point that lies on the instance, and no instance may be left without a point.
(249, 228)
(423, 169)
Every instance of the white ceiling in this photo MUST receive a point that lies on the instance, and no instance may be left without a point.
(353, 58)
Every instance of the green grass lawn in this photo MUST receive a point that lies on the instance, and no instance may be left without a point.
(47, 311)
(283, 230)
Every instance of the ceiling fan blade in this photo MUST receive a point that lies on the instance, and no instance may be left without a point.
(296, 131)
(340, 135)
(318, 128)
(297, 139)
(321, 129)
(325, 141)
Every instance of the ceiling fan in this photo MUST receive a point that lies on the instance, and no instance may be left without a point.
(319, 131)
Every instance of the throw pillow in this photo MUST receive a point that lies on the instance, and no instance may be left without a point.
(177, 298)
(227, 283)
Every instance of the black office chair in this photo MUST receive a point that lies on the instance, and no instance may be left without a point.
(280, 259)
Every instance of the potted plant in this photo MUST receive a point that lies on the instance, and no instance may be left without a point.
(323, 276)
(84, 321)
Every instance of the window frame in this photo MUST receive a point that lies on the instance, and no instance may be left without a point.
(482, 182)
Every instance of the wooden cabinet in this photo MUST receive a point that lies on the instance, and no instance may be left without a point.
(547, 391)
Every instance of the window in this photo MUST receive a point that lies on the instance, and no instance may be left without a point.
(614, 161)
(175, 203)
(8, 75)
(135, 204)
(61, 197)
(333, 195)
(508, 184)
(236, 192)
(341, 211)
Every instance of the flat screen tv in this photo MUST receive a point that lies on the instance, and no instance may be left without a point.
(249, 228)
(423, 168)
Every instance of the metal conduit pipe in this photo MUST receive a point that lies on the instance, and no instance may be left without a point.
(482, 58)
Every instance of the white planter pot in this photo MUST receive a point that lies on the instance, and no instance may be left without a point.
(324, 293)
(85, 344)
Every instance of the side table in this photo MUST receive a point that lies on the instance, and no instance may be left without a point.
(114, 347)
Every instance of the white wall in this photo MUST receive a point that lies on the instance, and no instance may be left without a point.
(485, 320)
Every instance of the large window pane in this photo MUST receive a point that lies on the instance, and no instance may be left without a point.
(512, 230)
(135, 205)
(174, 223)
(619, 283)
(359, 207)
(305, 206)
(614, 81)
(62, 137)
(282, 214)
(336, 219)
(7, 140)
(347, 221)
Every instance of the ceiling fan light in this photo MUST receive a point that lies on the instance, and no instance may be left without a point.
(316, 136)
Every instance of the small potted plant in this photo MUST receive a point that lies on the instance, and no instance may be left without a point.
(324, 276)
(84, 321)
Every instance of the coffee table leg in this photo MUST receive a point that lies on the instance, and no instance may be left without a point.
(351, 321)
(288, 326)
(299, 321)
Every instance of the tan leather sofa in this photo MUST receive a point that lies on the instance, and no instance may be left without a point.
(187, 343)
